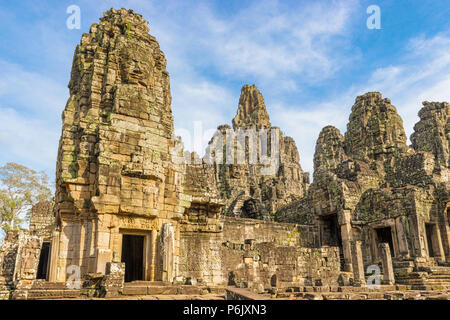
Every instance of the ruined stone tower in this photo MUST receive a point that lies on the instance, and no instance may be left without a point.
(371, 188)
(117, 180)
(258, 188)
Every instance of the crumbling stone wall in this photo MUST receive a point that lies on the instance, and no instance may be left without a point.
(19, 259)
(370, 179)
(42, 222)
(251, 252)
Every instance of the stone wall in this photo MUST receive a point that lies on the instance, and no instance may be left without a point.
(251, 252)
(43, 221)
(19, 259)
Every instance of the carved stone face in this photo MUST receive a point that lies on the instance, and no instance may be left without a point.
(254, 209)
(135, 67)
(250, 209)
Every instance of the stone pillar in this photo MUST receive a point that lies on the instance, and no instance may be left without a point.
(437, 244)
(402, 237)
(53, 269)
(167, 251)
(153, 235)
(419, 238)
(344, 221)
(445, 232)
(103, 256)
(386, 260)
(358, 264)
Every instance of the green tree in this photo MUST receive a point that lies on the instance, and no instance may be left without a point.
(20, 189)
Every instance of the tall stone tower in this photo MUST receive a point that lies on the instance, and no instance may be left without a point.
(119, 188)
(253, 189)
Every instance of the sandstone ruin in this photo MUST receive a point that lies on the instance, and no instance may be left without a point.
(131, 216)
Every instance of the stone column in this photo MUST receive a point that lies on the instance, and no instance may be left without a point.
(437, 244)
(167, 251)
(418, 233)
(386, 260)
(358, 264)
(53, 269)
(445, 233)
(344, 221)
(153, 235)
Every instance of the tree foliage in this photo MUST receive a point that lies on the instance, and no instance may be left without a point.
(20, 189)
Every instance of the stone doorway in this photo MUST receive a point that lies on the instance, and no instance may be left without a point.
(429, 233)
(385, 235)
(331, 231)
(331, 235)
(133, 256)
(44, 256)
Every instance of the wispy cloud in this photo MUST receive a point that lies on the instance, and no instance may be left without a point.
(29, 141)
(423, 74)
(30, 109)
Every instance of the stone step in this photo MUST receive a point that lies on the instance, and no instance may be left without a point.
(45, 285)
(365, 295)
(403, 264)
(439, 270)
(146, 283)
(53, 294)
(153, 289)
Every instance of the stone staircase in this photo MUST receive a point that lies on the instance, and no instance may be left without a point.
(142, 288)
(422, 277)
(383, 292)
(4, 290)
(42, 289)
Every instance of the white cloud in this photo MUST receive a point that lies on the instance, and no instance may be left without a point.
(28, 141)
(30, 92)
(30, 117)
(266, 41)
(204, 103)
(422, 75)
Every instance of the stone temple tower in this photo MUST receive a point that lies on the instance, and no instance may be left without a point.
(118, 192)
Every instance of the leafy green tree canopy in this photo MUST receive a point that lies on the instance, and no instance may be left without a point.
(20, 189)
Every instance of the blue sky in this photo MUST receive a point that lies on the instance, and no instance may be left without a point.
(310, 59)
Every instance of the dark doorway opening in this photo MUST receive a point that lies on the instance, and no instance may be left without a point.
(332, 235)
(448, 216)
(133, 256)
(429, 233)
(385, 235)
(331, 231)
(43, 261)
